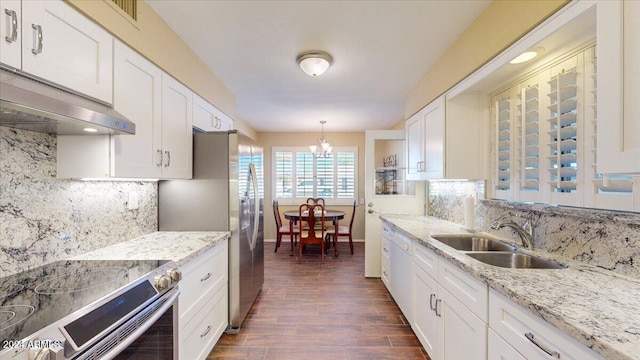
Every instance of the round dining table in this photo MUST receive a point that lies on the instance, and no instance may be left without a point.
(329, 215)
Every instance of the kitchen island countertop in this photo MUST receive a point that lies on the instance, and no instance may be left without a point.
(179, 246)
(597, 307)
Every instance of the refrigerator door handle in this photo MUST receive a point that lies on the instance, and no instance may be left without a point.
(256, 204)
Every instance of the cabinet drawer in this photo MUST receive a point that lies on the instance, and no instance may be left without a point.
(201, 278)
(512, 322)
(498, 349)
(470, 291)
(385, 272)
(199, 336)
(426, 259)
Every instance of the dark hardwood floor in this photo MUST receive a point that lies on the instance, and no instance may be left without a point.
(311, 311)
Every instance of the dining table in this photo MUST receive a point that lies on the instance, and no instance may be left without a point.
(329, 215)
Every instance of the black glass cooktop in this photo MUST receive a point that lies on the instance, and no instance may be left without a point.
(34, 299)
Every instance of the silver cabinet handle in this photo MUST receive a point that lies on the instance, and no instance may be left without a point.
(14, 26)
(206, 331)
(542, 347)
(167, 156)
(433, 296)
(158, 157)
(37, 48)
(206, 277)
(385, 273)
(385, 249)
(438, 301)
(218, 122)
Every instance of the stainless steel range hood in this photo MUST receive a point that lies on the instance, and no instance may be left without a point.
(31, 105)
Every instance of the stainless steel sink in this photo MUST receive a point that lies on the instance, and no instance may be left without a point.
(514, 260)
(471, 242)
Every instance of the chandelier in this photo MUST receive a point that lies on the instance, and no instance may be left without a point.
(323, 148)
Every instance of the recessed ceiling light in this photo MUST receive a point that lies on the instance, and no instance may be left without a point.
(90, 130)
(526, 56)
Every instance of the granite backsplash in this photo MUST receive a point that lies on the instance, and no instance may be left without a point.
(604, 238)
(44, 219)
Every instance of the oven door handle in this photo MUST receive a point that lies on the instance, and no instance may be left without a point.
(143, 328)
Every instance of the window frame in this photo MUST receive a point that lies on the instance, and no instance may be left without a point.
(295, 200)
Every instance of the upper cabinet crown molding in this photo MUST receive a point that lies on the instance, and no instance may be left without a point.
(52, 41)
(618, 82)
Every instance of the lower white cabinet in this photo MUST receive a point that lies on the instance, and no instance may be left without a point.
(203, 302)
(448, 326)
(529, 335)
(400, 266)
(386, 253)
(500, 349)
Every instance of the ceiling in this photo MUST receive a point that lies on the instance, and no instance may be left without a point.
(380, 50)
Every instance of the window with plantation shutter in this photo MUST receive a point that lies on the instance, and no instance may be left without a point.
(298, 175)
(546, 139)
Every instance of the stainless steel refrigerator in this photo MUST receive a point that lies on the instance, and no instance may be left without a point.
(225, 194)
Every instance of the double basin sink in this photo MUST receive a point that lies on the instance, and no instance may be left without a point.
(494, 252)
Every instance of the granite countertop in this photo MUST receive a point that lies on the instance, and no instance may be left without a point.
(597, 307)
(179, 246)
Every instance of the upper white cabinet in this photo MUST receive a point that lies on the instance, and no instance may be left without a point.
(445, 142)
(207, 117)
(10, 33)
(160, 106)
(618, 78)
(425, 142)
(52, 41)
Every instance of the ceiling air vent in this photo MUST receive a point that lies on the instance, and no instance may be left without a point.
(130, 7)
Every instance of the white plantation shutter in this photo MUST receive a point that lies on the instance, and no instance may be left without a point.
(503, 140)
(346, 169)
(283, 174)
(304, 175)
(529, 140)
(298, 175)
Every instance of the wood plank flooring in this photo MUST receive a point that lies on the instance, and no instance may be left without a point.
(311, 311)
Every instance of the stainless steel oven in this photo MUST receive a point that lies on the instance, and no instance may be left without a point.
(90, 310)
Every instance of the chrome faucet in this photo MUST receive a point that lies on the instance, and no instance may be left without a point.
(525, 231)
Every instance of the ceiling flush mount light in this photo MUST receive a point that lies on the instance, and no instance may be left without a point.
(323, 149)
(527, 55)
(314, 63)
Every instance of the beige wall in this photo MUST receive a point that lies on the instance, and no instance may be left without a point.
(155, 40)
(499, 26)
(269, 140)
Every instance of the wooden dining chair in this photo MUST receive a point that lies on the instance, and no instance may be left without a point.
(310, 234)
(344, 230)
(283, 229)
(315, 201)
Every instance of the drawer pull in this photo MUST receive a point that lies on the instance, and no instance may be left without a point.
(14, 26)
(433, 296)
(549, 352)
(206, 331)
(206, 277)
(438, 301)
(385, 250)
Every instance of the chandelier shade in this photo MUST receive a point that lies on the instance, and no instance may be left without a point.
(323, 148)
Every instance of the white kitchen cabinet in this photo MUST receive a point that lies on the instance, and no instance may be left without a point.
(530, 335)
(499, 349)
(449, 308)
(10, 33)
(161, 109)
(446, 142)
(386, 252)
(177, 139)
(207, 117)
(203, 302)
(618, 83)
(56, 43)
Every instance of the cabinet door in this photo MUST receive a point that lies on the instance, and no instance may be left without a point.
(425, 323)
(618, 80)
(10, 33)
(62, 46)
(464, 334)
(177, 140)
(204, 117)
(433, 117)
(226, 123)
(499, 349)
(415, 146)
(137, 93)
